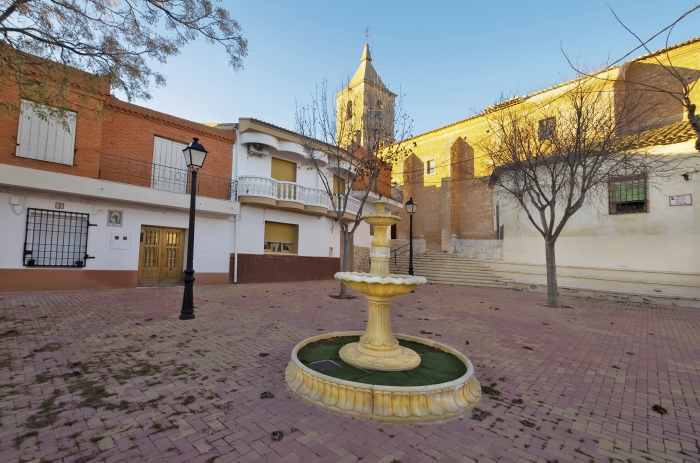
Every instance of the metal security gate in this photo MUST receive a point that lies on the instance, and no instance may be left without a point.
(161, 256)
(55, 239)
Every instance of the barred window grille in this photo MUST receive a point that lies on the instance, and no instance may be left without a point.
(55, 238)
(628, 195)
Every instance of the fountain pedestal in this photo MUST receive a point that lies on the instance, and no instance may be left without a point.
(378, 348)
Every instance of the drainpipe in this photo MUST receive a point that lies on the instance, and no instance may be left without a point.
(236, 153)
(235, 245)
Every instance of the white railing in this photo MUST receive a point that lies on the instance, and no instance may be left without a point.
(316, 197)
(289, 191)
(285, 191)
(257, 186)
(353, 206)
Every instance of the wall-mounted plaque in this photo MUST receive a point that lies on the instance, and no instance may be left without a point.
(115, 218)
(680, 200)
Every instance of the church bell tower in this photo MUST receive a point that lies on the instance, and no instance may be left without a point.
(365, 108)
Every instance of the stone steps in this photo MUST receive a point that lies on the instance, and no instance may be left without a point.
(444, 269)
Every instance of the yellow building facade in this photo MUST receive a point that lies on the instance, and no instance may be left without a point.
(655, 251)
(446, 170)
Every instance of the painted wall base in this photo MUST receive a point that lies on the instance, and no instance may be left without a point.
(267, 268)
(49, 279)
(643, 285)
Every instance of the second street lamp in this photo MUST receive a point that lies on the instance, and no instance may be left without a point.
(411, 209)
(194, 158)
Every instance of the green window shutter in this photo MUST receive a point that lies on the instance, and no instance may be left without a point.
(626, 192)
(617, 193)
(638, 192)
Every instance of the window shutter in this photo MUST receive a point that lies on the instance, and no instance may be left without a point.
(45, 139)
(282, 232)
(169, 167)
(284, 171)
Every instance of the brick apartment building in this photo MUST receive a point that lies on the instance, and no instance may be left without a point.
(103, 202)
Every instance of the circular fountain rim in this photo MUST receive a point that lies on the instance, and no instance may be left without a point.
(392, 278)
(394, 404)
(406, 337)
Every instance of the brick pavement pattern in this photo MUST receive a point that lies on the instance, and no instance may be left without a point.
(115, 376)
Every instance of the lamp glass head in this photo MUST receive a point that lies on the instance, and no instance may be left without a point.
(195, 154)
(411, 206)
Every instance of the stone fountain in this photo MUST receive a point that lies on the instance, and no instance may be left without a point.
(378, 348)
(378, 359)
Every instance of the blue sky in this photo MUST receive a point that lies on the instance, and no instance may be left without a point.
(450, 58)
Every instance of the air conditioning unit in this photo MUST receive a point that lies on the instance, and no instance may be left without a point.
(257, 149)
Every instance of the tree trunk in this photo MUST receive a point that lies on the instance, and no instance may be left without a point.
(694, 121)
(552, 288)
(345, 264)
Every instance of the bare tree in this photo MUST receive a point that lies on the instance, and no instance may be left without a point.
(41, 40)
(555, 159)
(686, 82)
(352, 151)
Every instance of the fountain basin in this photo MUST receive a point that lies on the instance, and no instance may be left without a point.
(377, 286)
(397, 404)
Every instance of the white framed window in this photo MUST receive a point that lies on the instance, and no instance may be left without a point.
(43, 136)
(430, 167)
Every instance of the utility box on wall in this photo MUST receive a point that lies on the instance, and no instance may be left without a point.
(121, 242)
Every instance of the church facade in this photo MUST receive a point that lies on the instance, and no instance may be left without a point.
(655, 251)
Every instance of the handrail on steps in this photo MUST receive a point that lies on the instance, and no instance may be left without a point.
(396, 252)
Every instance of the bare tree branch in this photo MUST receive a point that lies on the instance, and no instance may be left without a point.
(686, 87)
(112, 40)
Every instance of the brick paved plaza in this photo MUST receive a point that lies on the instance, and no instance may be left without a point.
(115, 376)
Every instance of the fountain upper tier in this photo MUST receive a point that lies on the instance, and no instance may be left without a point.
(367, 283)
(374, 285)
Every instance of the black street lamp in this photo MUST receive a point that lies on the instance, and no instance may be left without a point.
(194, 158)
(411, 209)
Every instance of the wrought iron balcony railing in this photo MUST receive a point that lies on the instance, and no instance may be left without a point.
(142, 173)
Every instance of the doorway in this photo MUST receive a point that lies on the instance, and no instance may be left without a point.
(161, 256)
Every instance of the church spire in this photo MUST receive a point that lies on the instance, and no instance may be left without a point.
(365, 54)
(366, 72)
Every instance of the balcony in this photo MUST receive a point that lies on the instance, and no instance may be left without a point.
(141, 173)
(291, 196)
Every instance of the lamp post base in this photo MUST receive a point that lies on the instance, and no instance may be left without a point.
(187, 312)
